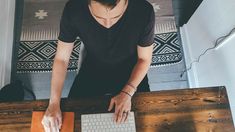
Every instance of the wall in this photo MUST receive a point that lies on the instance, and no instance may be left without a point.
(6, 39)
(214, 18)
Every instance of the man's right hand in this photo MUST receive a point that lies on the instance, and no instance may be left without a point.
(52, 119)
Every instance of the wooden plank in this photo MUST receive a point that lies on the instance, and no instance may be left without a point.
(194, 121)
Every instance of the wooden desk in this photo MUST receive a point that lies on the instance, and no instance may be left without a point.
(189, 110)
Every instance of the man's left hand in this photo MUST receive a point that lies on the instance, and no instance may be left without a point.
(122, 104)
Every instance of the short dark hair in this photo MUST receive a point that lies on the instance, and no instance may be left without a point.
(109, 3)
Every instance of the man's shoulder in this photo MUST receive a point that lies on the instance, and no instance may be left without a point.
(142, 8)
(74, 5)
(75, 8)
(142, 4)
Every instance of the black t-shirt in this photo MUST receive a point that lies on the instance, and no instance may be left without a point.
(109, 50)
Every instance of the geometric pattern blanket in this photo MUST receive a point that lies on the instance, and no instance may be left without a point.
(37, 56)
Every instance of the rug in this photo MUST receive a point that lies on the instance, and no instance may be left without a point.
(37, 56)
(41, 18)
(167, 50)
(165, 19)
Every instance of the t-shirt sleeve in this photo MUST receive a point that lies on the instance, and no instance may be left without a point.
(67, 30)
(147, 36)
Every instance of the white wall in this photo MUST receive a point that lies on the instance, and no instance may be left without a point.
(214, 18)
(6, 39)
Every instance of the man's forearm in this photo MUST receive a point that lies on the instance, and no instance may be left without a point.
(138, 73)
(57, 82)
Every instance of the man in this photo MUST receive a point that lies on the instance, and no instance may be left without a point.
(118, 37)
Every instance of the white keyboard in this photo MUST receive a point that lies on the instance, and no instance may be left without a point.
(104, 123)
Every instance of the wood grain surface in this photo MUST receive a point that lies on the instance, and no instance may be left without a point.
(187, 110)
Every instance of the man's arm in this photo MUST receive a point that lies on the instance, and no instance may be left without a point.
(141, 68)
(59, 71)
(52, 119)
(122, 101)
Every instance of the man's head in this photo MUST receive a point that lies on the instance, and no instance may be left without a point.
(107, 12)
(108, 3)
